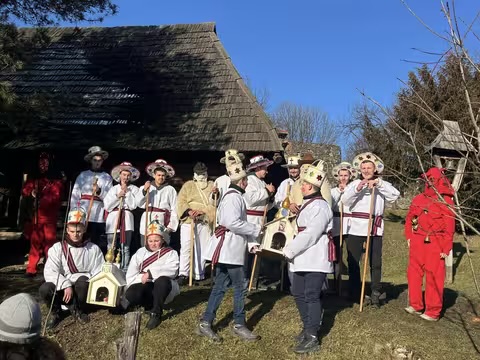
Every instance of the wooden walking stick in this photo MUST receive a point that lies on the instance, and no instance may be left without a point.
(146, 215)
(254, 267)
(117, 224)
(367, 248)
(90, 204)
(192, 241)
(340, 258)
(212, 270)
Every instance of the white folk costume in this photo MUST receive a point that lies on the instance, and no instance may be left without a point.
(82, 194)
(227, 251)
(285, 187)
(358, 204)
(162, 200)
(162, 268)
(123, 215)
(311, 254)
(256, 195)
(70, 265)
(195, 195)
(337, 205)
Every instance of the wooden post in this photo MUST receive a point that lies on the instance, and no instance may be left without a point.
(254, 267)
(127, 345)
(192, 253)
(340, 259)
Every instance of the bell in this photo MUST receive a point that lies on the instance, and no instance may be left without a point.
(415, 223)
(427, 240)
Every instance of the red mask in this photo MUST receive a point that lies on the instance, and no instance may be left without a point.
(436, 179)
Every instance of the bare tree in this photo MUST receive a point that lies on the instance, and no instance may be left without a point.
(305, 124)
(262, 94)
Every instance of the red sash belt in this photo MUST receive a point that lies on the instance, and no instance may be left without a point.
(220, 232)
(337, 214)
(255, 212)
(154, 257)
(166, 217)
(68, 256)
(332, 253)
(377, 219)
(89, 197)
(123, 237)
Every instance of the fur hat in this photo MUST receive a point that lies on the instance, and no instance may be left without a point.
(344, 166)
(94, 151)
(314, 174)
(200, 168)
(162, 164)
(231, 153)
(20, 319)
(125, 166)
(155, 228)
(371, 157)
(258, 161)
(236, 172)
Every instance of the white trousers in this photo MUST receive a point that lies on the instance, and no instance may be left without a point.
(201, 235)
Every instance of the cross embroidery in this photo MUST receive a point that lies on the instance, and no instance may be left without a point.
(152, 228)
(291, 161)
(78, 216)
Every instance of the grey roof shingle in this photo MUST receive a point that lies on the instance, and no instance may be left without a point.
(141, 87)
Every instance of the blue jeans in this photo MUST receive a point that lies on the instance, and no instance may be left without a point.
(226, 275)
(306, 289)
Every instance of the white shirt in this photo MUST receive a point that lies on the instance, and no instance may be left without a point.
(309, 249)
(165, 265)
(337, 204)
(282, 192)
(359, 202)
(241, 236)
(87, 259)
(256, 198)
(112, 202)
(164, 197)
(83, 186)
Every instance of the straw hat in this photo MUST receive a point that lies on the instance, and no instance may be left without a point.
(371, 157)
(344, 165)
(125, 166)
(95, 151)
(162, 164)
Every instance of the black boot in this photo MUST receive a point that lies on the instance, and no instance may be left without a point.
(154, 321)
(308, 345)
(375, 299)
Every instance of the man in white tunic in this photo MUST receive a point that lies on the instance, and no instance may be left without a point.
(162, 198)
(91, 187)
(309, 256)
(69, 265)
(356, 199)
(197, 216)
(227, 250)
(285, 187)
(343, 174)
(119, 203)
(151, 274)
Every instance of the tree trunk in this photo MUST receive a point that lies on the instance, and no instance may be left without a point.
(127, 346)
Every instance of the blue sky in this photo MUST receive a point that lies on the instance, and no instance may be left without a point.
(311, 52)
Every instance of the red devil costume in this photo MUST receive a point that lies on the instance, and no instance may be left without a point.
(430, 226)
(46, 193)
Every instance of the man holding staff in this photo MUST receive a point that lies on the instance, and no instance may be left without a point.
(91, 187)
(162, 198)
(309, 257)
(357, 199)
(227, 251)
(120, 202)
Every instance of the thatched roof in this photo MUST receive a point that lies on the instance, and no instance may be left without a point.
(138, 87)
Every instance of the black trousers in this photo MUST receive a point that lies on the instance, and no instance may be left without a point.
(306, 289)
(79, 298)
(151, 295)
(355, 251)
(96, 233)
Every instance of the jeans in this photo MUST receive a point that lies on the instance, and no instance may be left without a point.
(355, 250)
(226, 275)
(150, 295)
(306, 290)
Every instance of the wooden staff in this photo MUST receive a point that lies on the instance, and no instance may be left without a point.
(340, 260)
(192, 241)
(254, 267)
(117, 224)
(90, 204)
(146, 214)
(212, 272)
(367, 248)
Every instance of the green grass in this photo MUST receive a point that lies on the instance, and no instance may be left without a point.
(346, 333)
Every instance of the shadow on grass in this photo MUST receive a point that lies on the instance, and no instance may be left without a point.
(187, 299)
(459, 251)
(395, 218)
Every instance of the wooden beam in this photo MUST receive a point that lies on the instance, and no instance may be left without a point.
(127, 345)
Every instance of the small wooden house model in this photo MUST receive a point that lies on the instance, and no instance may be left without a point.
(106, 287)
(278, 233)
